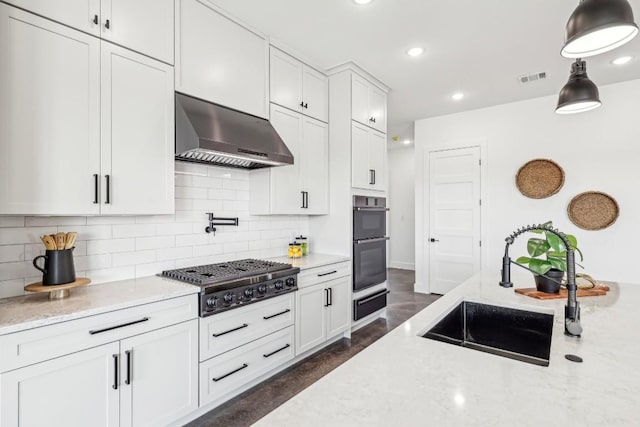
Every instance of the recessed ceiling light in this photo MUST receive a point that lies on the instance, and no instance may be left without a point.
(407, 141)
(415, 51)
(362, 2)
(457, 96)
(622, 60)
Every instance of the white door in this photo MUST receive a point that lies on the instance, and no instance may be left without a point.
(315, 93)
(378, 109)
(286, 196)
(145, 26)
(159, 375)
(454, 217)
(137, 133)
(360, 100)
(286, 80)
(81, 14)
(310, 318)
(219, 60)
(72, 391)
(49, 117)
(314, 164)
(361, 176)
(339, 310)
(377, 164)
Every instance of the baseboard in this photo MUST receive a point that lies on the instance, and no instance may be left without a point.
(402, 265)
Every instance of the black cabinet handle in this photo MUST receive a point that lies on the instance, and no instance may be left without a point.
(229, 331)
(306, 105)
(108, 196)
(244, 365)
(326, 297)
(302, 104)
(371, 179)
(276, 315)
(107, 24)
(306, 200)
(374, 176)
(111, 328)
(330, 296)
(116, 377)
(432, 240)
(326, 274)
(95, 19)
(129, 354)
(276, 351)
(302, 207)
(96, 182)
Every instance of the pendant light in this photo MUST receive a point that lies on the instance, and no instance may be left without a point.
(579, 94)
(598, 26)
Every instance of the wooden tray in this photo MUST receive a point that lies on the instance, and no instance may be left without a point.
(534, 293)
(57, 291)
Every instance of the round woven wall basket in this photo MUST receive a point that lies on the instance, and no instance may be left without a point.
(593, 210)
(540, 178)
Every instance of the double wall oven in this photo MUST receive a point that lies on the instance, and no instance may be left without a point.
(369, 253)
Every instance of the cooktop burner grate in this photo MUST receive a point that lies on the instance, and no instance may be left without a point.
(226, 271)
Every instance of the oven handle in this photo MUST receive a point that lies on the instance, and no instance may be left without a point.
(371, 209)
(377, 239)
(372, 297)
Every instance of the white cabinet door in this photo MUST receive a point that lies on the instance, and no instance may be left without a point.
(314, 161)
(377, 155)
(137, 133)
(339, 310)
(81, 14)
(286, 80)
(310, 318)
(360, 100)
(49, 116)
(286, 196)
(145, 26)
(361, 175)
(219, 60)
(378, 109)
(159, 375)
(315, 94)
(72, 391)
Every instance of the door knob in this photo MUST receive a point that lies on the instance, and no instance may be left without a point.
(432, 240)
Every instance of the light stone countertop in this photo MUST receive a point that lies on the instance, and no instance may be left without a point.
(312, 260)
(406, 380)
(35, 310)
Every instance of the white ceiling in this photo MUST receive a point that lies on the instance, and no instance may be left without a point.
(477, 47)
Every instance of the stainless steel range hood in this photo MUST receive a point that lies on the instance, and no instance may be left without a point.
(210, 133)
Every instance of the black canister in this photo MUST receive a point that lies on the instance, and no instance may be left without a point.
(58, 267)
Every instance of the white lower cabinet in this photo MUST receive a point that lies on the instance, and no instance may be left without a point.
(322, 312)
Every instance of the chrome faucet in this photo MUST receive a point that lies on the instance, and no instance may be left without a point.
(572, 325)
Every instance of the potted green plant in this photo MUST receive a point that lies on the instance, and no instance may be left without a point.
(548, 256)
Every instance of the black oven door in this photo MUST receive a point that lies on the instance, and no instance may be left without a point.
(369, 223)
(369, 262)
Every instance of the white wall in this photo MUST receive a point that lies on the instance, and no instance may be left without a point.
(116, 248)
(599, 150)
(402, 204)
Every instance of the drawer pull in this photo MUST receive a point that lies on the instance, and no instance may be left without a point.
(116, 378)
(372, 297)
(276, 315)
(244, 365)
(129, 354)
(111, 328)
(229, 331)
(326, 274)
(277, 351)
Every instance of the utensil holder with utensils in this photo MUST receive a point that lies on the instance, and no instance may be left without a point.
(58, 268)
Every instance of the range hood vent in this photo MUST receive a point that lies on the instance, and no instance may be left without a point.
(212, 134)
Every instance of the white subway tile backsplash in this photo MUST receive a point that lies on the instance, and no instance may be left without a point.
(111, 248)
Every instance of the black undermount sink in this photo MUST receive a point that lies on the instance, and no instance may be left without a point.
(517, 334)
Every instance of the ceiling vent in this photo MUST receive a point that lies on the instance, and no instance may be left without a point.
(532, 77)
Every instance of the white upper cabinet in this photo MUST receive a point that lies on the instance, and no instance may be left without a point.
(314, 164)
(368, 154)
(219, 60)
(368, 104)
(297, 86)
(49, 117)
(145, 26)
(137, 133)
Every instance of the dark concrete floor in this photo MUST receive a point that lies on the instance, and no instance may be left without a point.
(255, 403)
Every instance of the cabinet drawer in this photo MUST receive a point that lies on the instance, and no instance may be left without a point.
(39, 344)
(223, 375)
(316, 275)
(222, 332)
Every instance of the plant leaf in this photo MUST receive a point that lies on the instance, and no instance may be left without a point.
(555, 242)
(540, 266)
(579, 253)
(537, 247)
(559, 263)
(523, 260)
(573, 241)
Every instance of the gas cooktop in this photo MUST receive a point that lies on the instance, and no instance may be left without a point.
(212, 274)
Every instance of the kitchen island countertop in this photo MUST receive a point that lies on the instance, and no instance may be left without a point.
(406, 380)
